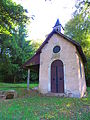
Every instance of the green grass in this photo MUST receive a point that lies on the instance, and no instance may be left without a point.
(30, 105)
(7, 86)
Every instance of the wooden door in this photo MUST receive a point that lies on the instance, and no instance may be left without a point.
(57, 77)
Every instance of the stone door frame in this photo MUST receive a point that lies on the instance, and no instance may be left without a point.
(49, 76)
(57, 77)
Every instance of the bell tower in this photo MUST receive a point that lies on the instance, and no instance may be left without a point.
(58, 26)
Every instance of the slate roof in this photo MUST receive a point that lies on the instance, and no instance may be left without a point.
(37, 55)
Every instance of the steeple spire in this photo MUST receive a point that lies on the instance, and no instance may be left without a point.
(58, 26)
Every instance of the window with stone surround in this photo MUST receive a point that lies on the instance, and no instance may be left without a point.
(56, 49)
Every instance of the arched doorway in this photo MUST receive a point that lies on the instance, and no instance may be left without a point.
(57, 77)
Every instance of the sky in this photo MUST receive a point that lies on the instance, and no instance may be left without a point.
(46, 14)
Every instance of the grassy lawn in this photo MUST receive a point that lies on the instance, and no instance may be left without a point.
(30, 105)
(7, 86)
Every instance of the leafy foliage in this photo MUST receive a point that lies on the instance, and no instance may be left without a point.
(78, 28)
(14, 48)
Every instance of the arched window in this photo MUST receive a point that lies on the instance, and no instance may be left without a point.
(80, 68)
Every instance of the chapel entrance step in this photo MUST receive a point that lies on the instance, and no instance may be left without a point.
(56, 94)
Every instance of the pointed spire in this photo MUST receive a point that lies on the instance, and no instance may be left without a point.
(58, 26)
(57, 23)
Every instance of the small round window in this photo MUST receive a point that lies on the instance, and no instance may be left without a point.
(56, 49)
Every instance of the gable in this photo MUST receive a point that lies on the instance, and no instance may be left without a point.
(66, 53)
(76, 44)
(57, 40)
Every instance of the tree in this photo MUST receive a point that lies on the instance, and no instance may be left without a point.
(78, 28)
(14, 49)
(36, 44)
(20, 51)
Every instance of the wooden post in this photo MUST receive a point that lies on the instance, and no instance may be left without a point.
(28, 78)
